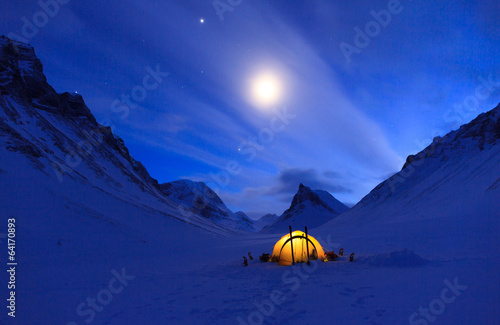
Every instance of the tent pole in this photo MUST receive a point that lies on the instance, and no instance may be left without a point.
(291, 244)
(307, 247)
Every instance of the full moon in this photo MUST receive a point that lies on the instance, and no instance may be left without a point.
(266, 90)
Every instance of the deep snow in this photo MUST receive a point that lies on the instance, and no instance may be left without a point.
(185, 275)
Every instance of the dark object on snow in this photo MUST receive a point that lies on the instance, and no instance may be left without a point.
(351, 258)
(249, 255)
(245, 261)
(307, 248)
(341, 252)
(291, 244)
(331, 256)
(265, 257)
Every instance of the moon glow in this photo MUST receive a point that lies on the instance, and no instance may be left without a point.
(266, 90)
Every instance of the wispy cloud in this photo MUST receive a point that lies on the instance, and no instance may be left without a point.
(329, 134)
(289, 179)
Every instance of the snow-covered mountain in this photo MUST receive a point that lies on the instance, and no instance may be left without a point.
(444, 200)
(310, 208)
(241, 214)
(62, 147)
(202, 200)
(265, 220)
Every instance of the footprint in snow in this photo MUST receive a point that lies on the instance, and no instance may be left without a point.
(361, 301)
(347, 291)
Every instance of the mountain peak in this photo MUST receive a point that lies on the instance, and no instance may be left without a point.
(457, 149)
(308, 208)
(304, 194)
(200, 191)
(481, 132)
(201, 199)
(21, 75)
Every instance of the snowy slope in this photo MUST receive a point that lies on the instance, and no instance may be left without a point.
(202, 200)
(457, 174)
(241, 214)
(332, 202)
(310, 208)
(444, 206)
(265, 220)
(83, 205)
(443, 201)
(60, 137)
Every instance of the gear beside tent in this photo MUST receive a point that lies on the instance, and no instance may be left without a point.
(297, 247)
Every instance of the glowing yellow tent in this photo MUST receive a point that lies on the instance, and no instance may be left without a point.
(282, 252)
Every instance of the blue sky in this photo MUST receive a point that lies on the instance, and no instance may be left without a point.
(342, 123)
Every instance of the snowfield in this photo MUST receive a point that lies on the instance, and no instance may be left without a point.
(186, 275)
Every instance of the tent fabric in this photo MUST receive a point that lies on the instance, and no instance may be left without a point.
(282, 252)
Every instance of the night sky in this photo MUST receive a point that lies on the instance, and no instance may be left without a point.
(263, 95)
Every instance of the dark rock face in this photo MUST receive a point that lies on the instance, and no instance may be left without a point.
(201, 199)
(202, 192)
(306, 194)
(409, 160)
(73, 105)
(21, 73)
(198, 196)
(310, 208)
(22, 80)
(484, 130)
(482, 133)
(58, 134)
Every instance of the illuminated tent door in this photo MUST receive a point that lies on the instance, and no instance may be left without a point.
(282, 252)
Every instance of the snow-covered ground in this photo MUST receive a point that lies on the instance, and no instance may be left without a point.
(180, 274)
